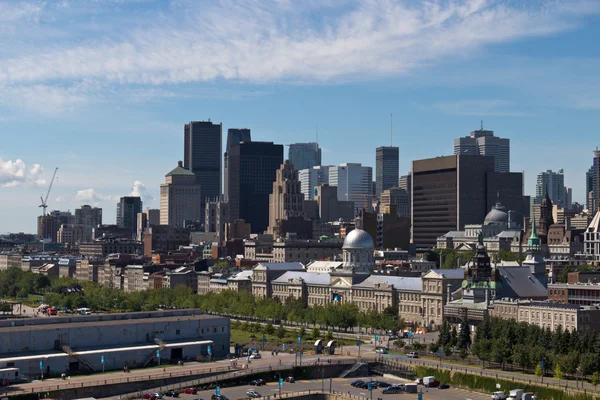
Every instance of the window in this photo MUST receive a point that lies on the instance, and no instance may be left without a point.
(178, 332)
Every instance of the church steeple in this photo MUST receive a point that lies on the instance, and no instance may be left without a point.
(534, 243)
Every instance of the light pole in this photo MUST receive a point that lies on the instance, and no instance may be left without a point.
(279, 382)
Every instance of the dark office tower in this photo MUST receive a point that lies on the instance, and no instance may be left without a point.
(253, 167)
(387, 170)
(304, 155)
(448, 192)
(234, 137)
(127, 210)
(589, 189)
(202, 156)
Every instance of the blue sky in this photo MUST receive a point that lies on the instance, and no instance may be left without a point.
(102, 89)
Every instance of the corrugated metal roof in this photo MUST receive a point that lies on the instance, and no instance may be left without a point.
(284, 266)
(242, 276)
(312, 278)
(399, 282)
(456, 273)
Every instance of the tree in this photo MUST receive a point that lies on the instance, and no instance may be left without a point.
(400, 343)
(433, 347)
(301, 332)
(558, 374)
(316, 333)
(464, 336)
(444, 337)
(269, 329)
(329, 335)
(453, 338)
(538, 370)
(521, 355)
(418, 346)
(588, 363)
(281, 332)
(594, 380)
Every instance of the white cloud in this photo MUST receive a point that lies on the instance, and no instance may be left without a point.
(256, 41)
(16, 173)
(91, 196)
(139, 189)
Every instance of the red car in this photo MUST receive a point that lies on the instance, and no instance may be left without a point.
(148, 396)
(191, 390)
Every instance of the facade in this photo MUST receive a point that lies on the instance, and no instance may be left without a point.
(312, 177)
(387, 169)
(437, 284)
(105, 247)
(448, 193)
(304, 155)
(75, 344)
(180, 198)
(553, 184)
(89, 270)
(592, 239)
(49, 224)
(146, 219)
(327, 207)
(395, 197)
(253, 167)
(285, 251)
(202, 155)
(484, 143)
(89, 217)
(71, 234)
(234, 137)
(8, 261)
(354, 183)
(128, 208)
(285, 201)
(165, 238)
(237, 229)
(217, 216)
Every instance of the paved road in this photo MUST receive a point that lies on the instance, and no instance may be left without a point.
(338, 385)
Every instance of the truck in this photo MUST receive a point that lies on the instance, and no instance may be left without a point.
(498, 396)
(516, 394)
(411, 388)
(430, 381)
(9, 375)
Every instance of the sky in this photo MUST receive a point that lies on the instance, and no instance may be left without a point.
(101, 89)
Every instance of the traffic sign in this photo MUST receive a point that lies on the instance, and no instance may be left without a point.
(280, 382)
(284, 347)
(41, 365)
(377, 338)
(541, 364)
(209, 349)
(358, 342)
(299, 340)
(218, 391)
(102, 359)
(420, 396)
(410, 334)
(370, 386)
(158, 353)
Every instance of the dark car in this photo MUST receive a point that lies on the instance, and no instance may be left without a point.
(392, 390)
(357, 383)
(365, 385)
(443, 386)
(258, 382)
(171, 393)
(219, 397)
(381, 384)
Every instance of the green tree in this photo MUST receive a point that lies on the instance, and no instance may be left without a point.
(453, 338)
(521, 355)
(400, 343)
(594, 379)
(538, 370)
(464, 336)
(316, 333)
(558, 374)
(301, 332)
(329, 335)
(433, 348)
(444, 337)
(418, 346)
(270, 329)
(281, 332)
(588, 363)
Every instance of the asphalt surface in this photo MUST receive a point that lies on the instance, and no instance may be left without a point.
(337, 385)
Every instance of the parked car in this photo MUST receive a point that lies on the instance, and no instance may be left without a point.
(290, 379)
(219, 397)
(419, 381)
(255, 356)
(498, 396)
(393, 337)
(191, 390)
(443, 386)
(430, 381)
(399, 385)
(147, 396)
(171, 393)
(157, 395)
(258, 382)
(357, 383)
(381, 351)
(253, 393)
(413, 354)
(392, 390)
(381, 384)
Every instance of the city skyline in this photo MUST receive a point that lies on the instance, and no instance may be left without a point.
(115, 129)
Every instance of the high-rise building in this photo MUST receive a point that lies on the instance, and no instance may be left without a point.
(89, 217)
(180, 198)
(484, 143)
(448, 192)
(217, 215)
(386, 168)
(552, 183)
(304, 155)
(234, 137)
(589, 189)
(128, 208)
(253, 167)
(395, 198)
(354, 183)
(146, 219)
(71, 234)
(286, 199)
(312, 177)
(594, 173)
(202, 155)
(405, 182)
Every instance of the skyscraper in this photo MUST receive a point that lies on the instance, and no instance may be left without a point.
(484, 143)
(386, 168)
(180, 198)
(304, 155)
(202, 156)
(595, 197)
(253, 167)
(354, 183)
(234, 137)
(448, 192)
(90, 218)
(128, 208)
(286, 200)
(552, 183)
(312, 177)
(589, 189)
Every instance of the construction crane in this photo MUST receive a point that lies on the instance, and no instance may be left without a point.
(44, 204)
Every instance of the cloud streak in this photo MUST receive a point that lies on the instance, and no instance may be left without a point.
(271, 41)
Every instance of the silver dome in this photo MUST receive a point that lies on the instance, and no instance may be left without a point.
(497, 215)
(358, 239)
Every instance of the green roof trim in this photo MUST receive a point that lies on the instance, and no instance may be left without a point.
(179, 171)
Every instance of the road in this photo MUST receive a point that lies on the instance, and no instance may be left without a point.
(157, 373)
(337, 385)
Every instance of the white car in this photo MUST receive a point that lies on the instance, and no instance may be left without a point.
(255, 356)
(157, 395)
(253, 393)
(498, 396)
(381, 351)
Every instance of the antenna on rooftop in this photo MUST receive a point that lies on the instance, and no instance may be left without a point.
(317, 133)
(391, 128)
(481, 124)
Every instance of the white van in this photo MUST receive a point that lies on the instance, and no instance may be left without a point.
(83, 311)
